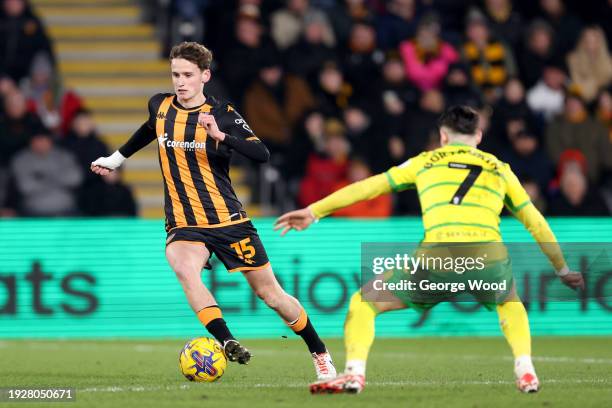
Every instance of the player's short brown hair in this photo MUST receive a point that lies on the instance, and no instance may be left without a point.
(193, 52)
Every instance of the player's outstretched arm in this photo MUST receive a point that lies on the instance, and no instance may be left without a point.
(539, 229)
(362, 190)
(142, 137)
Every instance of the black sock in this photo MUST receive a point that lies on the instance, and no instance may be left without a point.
(218, 328)
(311, 338)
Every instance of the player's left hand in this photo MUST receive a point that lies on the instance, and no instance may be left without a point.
(573, 280)
(208, 122)
(298, 220)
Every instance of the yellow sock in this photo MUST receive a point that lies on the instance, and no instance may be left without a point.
(515, 325)
(359, 329)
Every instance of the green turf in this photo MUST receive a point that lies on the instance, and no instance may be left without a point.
(432, 372)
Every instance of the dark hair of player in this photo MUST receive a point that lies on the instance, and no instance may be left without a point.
(193, 52)
(460, 119)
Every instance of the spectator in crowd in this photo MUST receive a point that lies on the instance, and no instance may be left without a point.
(325, 170)
(110, 198)
(187, 22)
(566, 26)
(590, 63)
(426, 57)
(576, 196)
(491, 62)
(527, 159)
(576, 129)
(306, 57)
(54, 105)
(46, 177)
(365, 138)
(534, 192)
(345, 14)
(458, 88)
(397, 24)
(379, 207)
(505, 23)
(603, 109)
(394, 82)
(362, 62)
(22, 37)
(221, 18)
(239, 64)
(452, 17)
(17, 125)
(7, 86)
(275, 102)
(511, 108)
(420, 123)
(333, 91)
(287, 24)
(83, 142)
(546, 97)
(536, 52)
(309, 137)
(397, 96)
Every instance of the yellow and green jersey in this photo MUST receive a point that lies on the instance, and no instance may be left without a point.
(462, 191)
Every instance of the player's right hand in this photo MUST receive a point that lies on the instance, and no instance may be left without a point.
(298, 220)
(573, 280)
(104, 165)
(98, 169)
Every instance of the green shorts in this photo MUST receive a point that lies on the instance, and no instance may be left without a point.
(489, 286)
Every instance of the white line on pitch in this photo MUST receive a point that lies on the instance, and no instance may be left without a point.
(304, 385)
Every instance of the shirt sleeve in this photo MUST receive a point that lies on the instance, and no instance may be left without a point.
(362, 190)
(403, 177)
(146, 133)
(518, 202)
(240, 137)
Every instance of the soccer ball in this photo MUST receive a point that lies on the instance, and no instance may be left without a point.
(202, 360)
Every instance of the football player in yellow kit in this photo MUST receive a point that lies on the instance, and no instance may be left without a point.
(462, 191)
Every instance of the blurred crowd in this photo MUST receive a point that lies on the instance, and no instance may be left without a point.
(340, 90)
(47, 137)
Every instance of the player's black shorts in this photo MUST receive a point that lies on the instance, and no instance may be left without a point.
(238, 246)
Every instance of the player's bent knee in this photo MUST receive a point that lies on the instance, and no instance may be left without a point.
(185, 270)
(272, 297)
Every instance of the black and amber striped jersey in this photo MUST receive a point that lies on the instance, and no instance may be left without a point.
(195, 167)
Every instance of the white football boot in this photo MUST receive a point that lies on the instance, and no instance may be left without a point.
(343, 384)
(324, 366)
(526, 378)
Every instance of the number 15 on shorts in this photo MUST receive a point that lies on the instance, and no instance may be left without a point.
(244, 251)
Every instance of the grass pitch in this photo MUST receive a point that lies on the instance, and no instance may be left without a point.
(431, 372)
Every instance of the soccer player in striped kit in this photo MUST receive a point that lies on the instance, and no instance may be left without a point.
(197, 136)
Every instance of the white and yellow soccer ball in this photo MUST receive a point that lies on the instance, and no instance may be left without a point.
(202, 360)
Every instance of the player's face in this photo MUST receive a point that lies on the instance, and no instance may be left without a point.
(188, 79)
